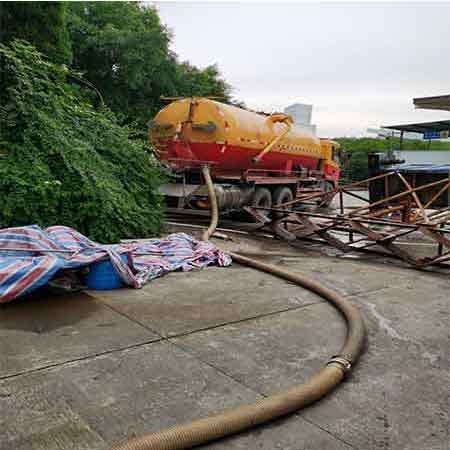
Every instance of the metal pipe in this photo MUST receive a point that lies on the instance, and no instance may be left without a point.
(361, 219)
(287, 121)
(402, 194)
(441, 191)
(340, 189)
(415, 197)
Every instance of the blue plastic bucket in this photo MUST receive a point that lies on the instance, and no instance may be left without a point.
(103, 276)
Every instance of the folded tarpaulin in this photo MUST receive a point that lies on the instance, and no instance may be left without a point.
(31, 256)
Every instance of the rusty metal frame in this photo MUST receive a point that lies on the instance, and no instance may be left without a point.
(377, 226)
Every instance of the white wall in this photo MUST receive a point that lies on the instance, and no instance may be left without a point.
(425, 156)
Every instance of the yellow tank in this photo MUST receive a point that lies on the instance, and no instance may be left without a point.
(234, 139)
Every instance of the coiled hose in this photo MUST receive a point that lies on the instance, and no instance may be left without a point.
(243, 417)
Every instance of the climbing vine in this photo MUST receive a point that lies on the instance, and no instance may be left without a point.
(63, 161)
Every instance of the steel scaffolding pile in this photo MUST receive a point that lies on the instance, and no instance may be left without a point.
(380, 226)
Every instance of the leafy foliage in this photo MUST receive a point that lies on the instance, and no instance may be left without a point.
(200, 82)
(123, 49)
(64, 156)
(64, 161)
(357, 149)
(42, 23)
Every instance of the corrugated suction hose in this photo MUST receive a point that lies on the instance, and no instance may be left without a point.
(243, 417)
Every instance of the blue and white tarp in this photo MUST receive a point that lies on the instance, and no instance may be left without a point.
(31, 256)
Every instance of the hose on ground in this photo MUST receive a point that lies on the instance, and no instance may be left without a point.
(212, 204)
(243, 417)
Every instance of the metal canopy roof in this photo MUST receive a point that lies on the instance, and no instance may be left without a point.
(424, 168)
(437, 102)
(440, 125)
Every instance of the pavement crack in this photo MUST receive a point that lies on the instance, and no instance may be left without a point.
(189, 351)
(132, 319)
(245, 319)
(256, 391)
(299, 414)
(81, 358)
(158, 338)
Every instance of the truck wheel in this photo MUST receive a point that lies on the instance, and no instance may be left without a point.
(282, 194)
(326, 200)
(262, 198)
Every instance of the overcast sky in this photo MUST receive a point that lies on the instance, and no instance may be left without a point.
(360, 65)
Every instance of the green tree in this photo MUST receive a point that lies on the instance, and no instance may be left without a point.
(64, 162)
(201, 82)
(123, 49)
(41, 23)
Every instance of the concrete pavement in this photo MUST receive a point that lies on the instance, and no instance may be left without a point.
(86, 370)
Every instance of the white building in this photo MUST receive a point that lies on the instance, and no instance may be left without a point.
(301, 114)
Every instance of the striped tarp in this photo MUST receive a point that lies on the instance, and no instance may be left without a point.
(31, 256)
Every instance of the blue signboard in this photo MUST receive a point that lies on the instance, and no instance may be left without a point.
(435, 135)
(431, 135)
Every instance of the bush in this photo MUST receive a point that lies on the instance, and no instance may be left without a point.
(64, 162)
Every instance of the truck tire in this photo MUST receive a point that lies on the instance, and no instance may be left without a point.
(262, 198)
(326, 200)
(282, 194)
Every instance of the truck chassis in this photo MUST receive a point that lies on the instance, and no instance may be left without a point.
(186, 193)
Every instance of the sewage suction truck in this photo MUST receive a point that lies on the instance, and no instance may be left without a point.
(255, 159)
